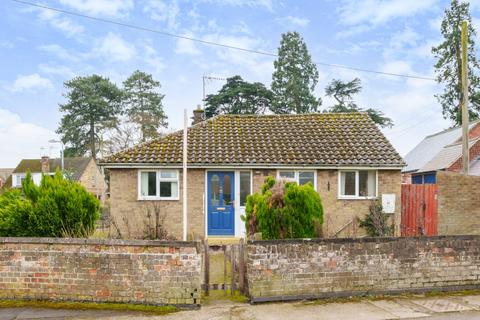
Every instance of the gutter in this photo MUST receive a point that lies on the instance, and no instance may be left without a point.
(245, 166)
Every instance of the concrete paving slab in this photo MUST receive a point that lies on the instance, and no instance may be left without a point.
(438, 305)
(399, 310)
(471, 301)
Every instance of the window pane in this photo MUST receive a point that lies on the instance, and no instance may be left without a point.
(289, 175)
(215, 190)
(168, 174)
(306, 177)
(227, 190)
(366, 183)
(348, 183)
(148, 183)
(244, 187)
(168, 189)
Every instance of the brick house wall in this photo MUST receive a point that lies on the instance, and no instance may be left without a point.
(93, 180)
(458, 202)
(147, 272)
(320, 268)
(130, 214)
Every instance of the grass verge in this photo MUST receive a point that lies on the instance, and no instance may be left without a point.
(157, 310)
(218, 295)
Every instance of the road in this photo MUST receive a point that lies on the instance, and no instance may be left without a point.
(452, 307)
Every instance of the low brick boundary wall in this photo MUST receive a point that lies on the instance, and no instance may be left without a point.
(133, 271)
(320, 268)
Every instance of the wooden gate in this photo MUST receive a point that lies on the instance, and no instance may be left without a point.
(419, 210)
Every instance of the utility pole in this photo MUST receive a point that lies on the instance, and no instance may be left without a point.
(465, 118)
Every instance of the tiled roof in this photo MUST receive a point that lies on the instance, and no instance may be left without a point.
(75, 164)
(325, 139)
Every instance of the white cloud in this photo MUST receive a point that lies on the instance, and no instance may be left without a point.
(153, 60)
(186, 46)
(267, 4)
(163, 11)
(30, 82)
(58, 51)
(295, 21)
(20, 139)
(374, 12)
(60, 22)
(113, 47)
(58, 70)
(101, 7)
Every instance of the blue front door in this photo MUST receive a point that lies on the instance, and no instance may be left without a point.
(220, 199)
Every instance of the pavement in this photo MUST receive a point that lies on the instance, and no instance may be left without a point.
(452, 307)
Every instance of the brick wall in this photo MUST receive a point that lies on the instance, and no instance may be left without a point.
(458, 203)
(131, 214)
(148, 272)
(473, 152)
(297, 269)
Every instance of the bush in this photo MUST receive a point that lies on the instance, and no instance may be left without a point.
(56, 208)
(284, 211)
(376, 222)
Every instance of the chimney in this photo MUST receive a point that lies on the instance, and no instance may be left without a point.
(198, 115)
(45, 161)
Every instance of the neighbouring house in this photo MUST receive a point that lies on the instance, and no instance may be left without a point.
(4, 174)
(83, 170)
(442, 151)
(344, 155)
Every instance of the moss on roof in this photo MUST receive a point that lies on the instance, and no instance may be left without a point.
(332, 139)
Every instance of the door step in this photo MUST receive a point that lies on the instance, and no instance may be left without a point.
(220, 241)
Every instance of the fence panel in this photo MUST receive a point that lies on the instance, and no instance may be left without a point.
(419, 210)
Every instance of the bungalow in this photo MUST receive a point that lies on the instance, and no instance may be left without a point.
(344, 155)
(83, 170)
(442, 151)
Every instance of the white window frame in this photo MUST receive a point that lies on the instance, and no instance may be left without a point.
(251, 187)
(357, 185)
(297, 176)
(157, 183)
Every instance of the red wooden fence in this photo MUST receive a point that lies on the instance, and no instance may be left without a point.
(419, 210)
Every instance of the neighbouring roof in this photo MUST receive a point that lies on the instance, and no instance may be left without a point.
(430, 147)
(76, 165)
(445, 158)
(5, 173)
(324, 139)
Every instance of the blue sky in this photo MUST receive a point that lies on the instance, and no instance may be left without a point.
(41, 49)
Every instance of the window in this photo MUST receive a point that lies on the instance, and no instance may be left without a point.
(300, 177)
(159, 185)
(245, 185)
(360, 184)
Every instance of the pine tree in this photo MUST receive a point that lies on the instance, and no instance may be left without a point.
(93, 106)
(239, 97)
(448, 65)
(143, 104)
(294, 78)
(343, 93)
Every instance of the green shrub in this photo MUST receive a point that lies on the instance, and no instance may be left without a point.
(376, 221)
(56, 208)
(284, 211)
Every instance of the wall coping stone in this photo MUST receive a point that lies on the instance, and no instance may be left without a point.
(106, 242)
(362, 240)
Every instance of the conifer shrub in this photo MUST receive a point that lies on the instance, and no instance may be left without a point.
(56, 208)
(376, 222)
(284, 211)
